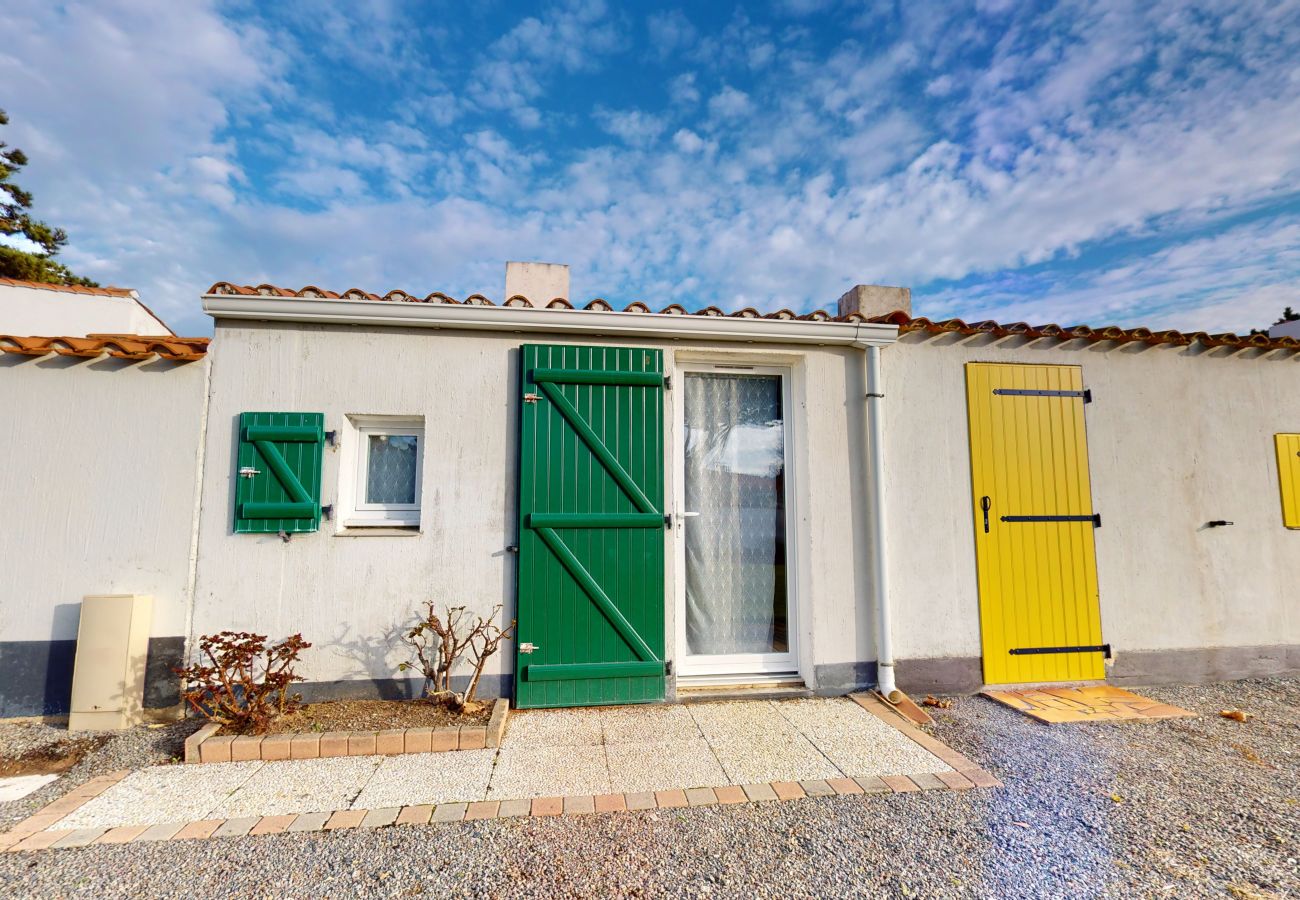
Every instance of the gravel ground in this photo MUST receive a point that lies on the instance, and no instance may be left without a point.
(1176, 808)
(132, 749)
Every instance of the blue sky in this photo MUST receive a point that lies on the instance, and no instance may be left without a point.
(1100, 162)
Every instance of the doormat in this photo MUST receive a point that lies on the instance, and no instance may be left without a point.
(1086, 704)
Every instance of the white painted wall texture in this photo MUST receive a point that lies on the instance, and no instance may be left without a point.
(349, 595)
(1177, 437)
(100, 460)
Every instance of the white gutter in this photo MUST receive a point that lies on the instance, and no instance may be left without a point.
(555, 321)
(876, 525)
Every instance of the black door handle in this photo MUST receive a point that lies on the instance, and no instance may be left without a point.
(986, 504)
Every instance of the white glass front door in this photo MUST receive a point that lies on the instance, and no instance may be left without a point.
(736, 615)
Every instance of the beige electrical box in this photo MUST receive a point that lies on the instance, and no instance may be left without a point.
(108, 676)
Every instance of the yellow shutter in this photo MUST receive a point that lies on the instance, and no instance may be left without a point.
(1288, 473)
(1039, 605)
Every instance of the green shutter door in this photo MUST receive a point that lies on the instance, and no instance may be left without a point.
(277, 471)
(591, 546)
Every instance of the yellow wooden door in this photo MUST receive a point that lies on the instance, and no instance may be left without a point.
(1288, 473)
(1040, 616)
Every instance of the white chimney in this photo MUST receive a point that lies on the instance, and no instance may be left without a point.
(875, 300)
(538, 281)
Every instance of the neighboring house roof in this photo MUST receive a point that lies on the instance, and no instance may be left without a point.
(132, 347)
(904, 321)
(69, 288)
(91, 314)
(1114, 333)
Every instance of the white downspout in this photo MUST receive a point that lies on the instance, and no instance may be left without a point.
(876, 526)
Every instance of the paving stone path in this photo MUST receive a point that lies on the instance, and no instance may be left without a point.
(551, 762)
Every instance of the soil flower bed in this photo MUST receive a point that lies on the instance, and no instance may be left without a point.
(374, 715)
(356, 728)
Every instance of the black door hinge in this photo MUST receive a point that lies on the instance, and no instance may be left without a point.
(1095, 519)
(1034, 651)
(1033, 392)
(668, 382)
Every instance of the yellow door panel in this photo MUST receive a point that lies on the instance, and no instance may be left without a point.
(1288, 471)
(1034, 524)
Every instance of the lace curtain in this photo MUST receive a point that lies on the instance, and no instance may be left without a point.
(390, 476)
(735, 547)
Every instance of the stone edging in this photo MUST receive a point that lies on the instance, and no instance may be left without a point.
(205, 746)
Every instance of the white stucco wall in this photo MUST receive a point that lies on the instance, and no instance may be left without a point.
(349, 594)
(1177, 437)
(100, 461)
(50, 312)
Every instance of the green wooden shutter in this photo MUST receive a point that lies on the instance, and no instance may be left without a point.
(591, 547)
(277, 472)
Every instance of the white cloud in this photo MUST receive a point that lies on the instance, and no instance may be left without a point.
(633, 126)
(688, 141)
(670, 32)
(729, 103)
(682, 89)
(1232, 281)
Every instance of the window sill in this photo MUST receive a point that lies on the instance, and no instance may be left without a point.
(355, 530)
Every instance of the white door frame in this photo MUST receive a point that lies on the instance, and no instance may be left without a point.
(735, 667)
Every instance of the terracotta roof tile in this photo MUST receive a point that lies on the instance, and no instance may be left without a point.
(1111, 333)
(121, 346)
(67, 288)
(904, 321)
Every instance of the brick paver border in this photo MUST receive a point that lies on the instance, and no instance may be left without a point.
(206, 746)
(40, 831)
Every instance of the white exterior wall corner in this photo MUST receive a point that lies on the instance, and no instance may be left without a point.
(349, 596)
(1177, 437)
(100, 466)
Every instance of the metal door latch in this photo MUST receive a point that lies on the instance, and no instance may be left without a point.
(532, 398)
(527, 647)
(249, 472)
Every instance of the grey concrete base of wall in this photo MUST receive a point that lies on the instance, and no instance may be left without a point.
(964, 675)
(1203, 664)
(946, 675)
(36, 676)
(835, 679)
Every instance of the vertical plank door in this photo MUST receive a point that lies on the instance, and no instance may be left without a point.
(591, 526)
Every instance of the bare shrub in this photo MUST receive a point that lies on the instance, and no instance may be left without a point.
(241, 682)
(437, 643)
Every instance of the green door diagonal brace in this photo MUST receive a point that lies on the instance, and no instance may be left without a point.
(597, 595)
(597, 447)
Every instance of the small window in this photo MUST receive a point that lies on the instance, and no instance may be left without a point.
(388, 459)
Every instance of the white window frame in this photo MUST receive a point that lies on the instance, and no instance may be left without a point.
(739, 668)
(361, 514)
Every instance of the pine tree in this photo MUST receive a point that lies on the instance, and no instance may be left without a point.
(1288, 315)
(16, 221)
